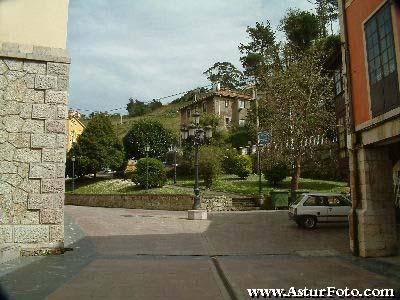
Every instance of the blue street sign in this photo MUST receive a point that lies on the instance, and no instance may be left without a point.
(264, 138)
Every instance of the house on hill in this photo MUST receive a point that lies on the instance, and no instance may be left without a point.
(231, 106)
(75, 127)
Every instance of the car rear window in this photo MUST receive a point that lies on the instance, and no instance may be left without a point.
(316, 201)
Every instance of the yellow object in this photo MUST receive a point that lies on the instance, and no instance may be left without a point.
(75, 129)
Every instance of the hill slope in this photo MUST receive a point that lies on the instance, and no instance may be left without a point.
(168, 115)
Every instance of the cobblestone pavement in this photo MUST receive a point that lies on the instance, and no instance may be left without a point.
(137, 254)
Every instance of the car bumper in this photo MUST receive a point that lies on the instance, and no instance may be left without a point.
(292, 216)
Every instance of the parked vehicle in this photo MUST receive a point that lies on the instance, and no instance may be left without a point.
(314, 208)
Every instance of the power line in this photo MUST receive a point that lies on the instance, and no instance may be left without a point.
(154, 99)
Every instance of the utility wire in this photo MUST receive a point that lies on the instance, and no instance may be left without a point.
(155, 99)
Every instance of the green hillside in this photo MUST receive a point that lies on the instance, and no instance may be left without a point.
(168, 115)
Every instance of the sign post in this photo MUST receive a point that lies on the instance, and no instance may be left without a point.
(263, 138)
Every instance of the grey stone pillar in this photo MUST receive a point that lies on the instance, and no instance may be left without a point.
(33, 113)
(375, 213)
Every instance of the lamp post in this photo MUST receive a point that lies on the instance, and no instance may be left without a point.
(73, 174)
(198, 136)
(174, 148)
(147, 149)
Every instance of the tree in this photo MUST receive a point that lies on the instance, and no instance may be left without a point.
(327, 12)
(148, 133)
(136, 108)
(226, 74)
(97, 148)
(301, 28)
(155, 104)
(256, 55)
(299, 102)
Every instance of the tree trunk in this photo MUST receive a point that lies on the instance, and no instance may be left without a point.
(294, 185)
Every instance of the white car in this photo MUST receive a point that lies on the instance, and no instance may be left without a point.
(314, 208)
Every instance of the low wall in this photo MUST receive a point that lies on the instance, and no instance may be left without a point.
(161, 202)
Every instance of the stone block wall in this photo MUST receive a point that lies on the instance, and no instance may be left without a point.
(33, 113)
(375, 213)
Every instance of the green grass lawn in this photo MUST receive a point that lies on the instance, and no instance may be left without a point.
(232, 184)
(228, 184)
(119, 186)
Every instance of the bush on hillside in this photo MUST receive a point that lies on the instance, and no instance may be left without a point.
(210, 164)
(242, 166)
(228, 161)
(150, 172)
(276, 174)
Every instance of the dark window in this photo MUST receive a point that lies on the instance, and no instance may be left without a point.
(204, 107)
(381, 58)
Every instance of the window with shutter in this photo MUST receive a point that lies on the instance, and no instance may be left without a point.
(381, 57)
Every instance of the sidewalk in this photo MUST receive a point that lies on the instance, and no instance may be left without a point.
(137, 254)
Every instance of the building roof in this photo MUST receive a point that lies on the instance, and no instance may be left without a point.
(77, 119)
(221, 93)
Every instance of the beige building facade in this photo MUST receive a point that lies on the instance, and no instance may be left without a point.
(34, 81)
(232, 107)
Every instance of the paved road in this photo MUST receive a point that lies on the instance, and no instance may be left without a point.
(137, 254)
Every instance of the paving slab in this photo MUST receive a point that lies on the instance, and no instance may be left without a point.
(285, 271)
(143, 279)
(144, 254)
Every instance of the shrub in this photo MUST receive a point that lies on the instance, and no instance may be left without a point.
(242, 166)
(151, 172)
(276, 173)
(228, 162)
(210, 164)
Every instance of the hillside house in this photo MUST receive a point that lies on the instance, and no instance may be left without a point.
(230, 106)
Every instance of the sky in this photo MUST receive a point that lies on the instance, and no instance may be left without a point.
(147, 49)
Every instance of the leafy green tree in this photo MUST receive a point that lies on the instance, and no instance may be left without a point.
(155, 104)
(97, 148)
(301, 28)
(136, 108)
(150, 172)
(327, 12)
(256, 53)
(226, 74)
(148, 133)
(189, 96)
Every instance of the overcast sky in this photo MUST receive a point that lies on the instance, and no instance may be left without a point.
(147, 49)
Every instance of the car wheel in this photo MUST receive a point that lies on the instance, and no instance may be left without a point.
(309, 222)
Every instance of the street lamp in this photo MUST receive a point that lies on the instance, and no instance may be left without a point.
(147, 149)
(173, 149)
(197, 136)
(73, 174)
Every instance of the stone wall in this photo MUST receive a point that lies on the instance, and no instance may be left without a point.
(33, 112)
(375, 213)
(161, 202)
(217, 203)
